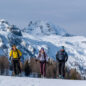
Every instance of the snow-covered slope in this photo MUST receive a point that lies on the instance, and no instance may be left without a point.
(75, 46)
(19, 81)
(43, 34)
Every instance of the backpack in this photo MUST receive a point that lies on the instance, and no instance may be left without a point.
(62, 56)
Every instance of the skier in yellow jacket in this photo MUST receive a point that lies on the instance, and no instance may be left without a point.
(15, 55)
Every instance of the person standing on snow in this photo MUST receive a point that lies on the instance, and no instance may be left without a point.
(15, 55)
(62, 58)
(42, 57)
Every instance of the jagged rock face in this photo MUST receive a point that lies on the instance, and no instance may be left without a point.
(13, 29)
(4, 25)
(44, 28)
(13, 39)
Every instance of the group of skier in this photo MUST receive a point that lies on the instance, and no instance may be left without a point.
(61, 56)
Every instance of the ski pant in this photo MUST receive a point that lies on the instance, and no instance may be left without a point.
(43, 68)
(16, 66)
(62, 69)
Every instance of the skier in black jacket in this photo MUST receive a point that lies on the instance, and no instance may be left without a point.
(62, 58)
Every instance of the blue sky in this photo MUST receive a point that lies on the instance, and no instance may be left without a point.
(68, 14)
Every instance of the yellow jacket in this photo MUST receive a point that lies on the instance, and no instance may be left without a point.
(14, 54)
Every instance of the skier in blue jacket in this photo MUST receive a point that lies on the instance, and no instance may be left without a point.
(62, 58)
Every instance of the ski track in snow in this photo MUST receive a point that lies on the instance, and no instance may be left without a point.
(26, 81)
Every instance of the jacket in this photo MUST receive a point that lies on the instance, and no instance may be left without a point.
(15, 54)
(62, 56)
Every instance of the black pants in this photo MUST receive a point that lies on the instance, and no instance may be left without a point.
(62, 68)
(16, 66)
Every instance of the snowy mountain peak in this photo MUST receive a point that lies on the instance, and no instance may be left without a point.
(4, 25)
(44, 28)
